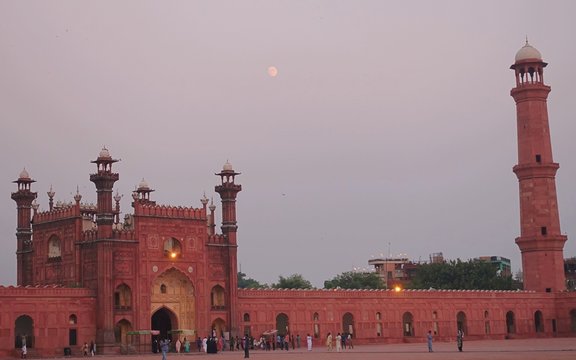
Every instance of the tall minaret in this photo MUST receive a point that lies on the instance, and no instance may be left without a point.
(104, 180)
(24, 251)
(228, 191)
(540, 241)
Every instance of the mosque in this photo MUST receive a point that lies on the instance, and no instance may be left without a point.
(84, 274)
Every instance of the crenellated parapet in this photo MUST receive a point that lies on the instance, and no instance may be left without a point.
(217, 239)
(58, 213)
(45, 291)
(117, 234)
(174, 212)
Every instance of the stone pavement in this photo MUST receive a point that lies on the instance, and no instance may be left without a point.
(525, 349)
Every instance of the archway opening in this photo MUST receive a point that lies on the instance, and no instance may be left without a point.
(121, 330)
(218, 327)
(461, 322)
(573, 320)
(408, 324)
(348, 324)
(24, 332)
(510, 323)
(164, 321)
(282, 324)
(538, 322)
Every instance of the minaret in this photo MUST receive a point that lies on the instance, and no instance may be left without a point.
(24, 251)
(228, 191)
(540, 241)
(104, 180)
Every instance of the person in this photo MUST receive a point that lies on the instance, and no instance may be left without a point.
(85, 349)
(205, 344)
(298, 341)
(186, 345)
(350, 345)
(24, 351)
(199, 344)
(92, 348)
(286, 342)
(309, 342)
(155, 346)
(164, 347)
(178, 345)
(460, 339)
(231, 343)
(246, 346)
(338, 343)
(329, 341)
(429, 339)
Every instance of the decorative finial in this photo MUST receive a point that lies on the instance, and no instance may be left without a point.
(212, 206)
(117, 197)
(35, 206)
(77, 197)
(527, 39)
(51, 193)
(204, 199)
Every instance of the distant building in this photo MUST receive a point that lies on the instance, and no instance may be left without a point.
(503, 264)
(436, 258)
(394, 270)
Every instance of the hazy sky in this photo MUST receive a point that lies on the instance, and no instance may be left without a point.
(389, 126)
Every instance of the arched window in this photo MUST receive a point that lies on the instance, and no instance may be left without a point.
(123, 297)
(486, 323)
(538, 322)
(72, 319)
(172, 248)
(408, 324)
(162, 289)
(246, 317)
(435, 323)
(54, 251)
(378, 324)
(510, 323)
(217, 298)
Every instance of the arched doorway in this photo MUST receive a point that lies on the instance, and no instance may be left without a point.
(121, 330)
(573, 320)
(24, 332)
(219, 327)
(348, 324)
(164, 321)
(173, 291)
(538, 322)
(282, 324)
(408, 324)
(510, 323)
(461, 322)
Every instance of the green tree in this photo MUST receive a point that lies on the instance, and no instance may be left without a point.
(459, 275)
(294, 281)
(248, 283)
(355, 280)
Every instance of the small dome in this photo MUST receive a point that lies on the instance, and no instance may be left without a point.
(24, 174)
(143, 185)
(528, 52)
(227, 167)
(104, 154)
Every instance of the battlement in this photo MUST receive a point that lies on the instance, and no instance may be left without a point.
(44, 291)
(59, 213)
(117, 234)
(217, 239)
(177, 212)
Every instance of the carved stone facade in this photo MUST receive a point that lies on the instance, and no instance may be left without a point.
(84, 276)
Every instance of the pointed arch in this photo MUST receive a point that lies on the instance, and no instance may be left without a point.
(282, 324)
(24, 331)
(121, 330)
(54, 248)
(348, 324)
(218, 298)
(123, 297)
(219, 327)
(462, 322)
(408, 324)
(538, 322)
(510, 323)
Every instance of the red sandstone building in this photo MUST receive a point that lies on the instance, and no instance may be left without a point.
(83, 275)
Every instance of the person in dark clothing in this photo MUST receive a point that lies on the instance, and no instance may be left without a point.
(246, 346)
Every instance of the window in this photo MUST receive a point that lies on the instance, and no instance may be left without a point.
(247, 317)
(54, 253)
(162, 289)
(72, 320)
(172, 248)
(217, 298)
(543, 230)
(538, 158)
(123, 297)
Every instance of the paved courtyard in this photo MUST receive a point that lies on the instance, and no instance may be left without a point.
(528, 349)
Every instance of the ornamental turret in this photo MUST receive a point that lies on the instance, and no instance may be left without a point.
(104, 180)
(24, 198)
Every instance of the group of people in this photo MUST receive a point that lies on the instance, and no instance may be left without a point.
(459, 340)
(89, 350)
(342, 341)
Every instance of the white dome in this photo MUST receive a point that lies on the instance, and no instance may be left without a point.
(24, 174)
(227, 167)
(143, 185)
(104, 153)
(528, 52)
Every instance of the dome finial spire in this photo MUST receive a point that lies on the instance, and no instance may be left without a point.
(527, 39)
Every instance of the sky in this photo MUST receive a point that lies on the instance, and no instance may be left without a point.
(388, 129)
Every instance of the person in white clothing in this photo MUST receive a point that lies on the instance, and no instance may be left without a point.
(309, 342)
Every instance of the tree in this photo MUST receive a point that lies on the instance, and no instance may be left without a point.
(459, 275)
(247, 283)
(355, 280)
(294, 281)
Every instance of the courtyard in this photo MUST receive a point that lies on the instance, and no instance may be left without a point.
(525, 349)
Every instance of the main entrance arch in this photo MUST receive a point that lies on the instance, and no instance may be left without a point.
(173, 303)
(164, 321)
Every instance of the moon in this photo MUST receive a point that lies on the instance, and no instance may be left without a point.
(272, 71)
